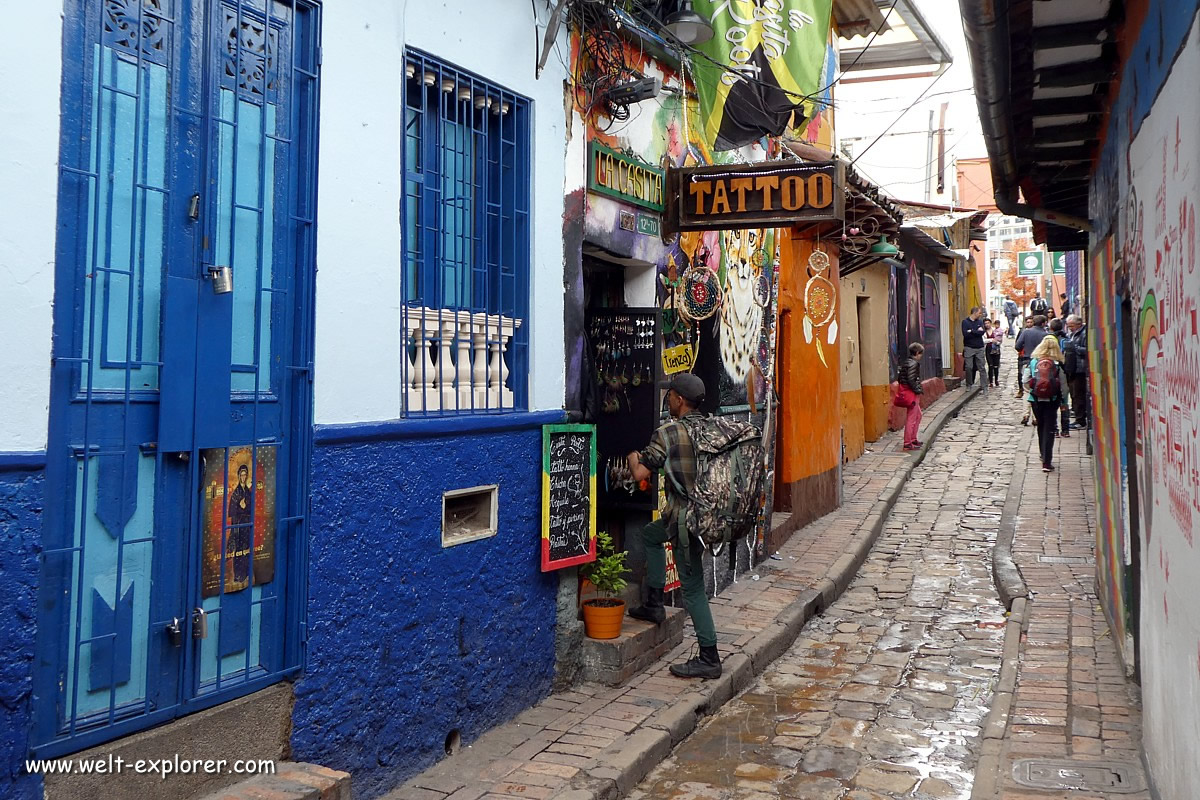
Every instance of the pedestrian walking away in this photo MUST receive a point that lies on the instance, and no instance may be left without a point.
(908, 394)
(1035, 331)
(994, 338)
(1038, 306)
(1058, 330)
(1010, 313)
(1047, 394)
(1075, 359)
(972, 332)
(671, 450)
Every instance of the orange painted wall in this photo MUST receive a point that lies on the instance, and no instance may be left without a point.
(854, 434)
(810, 415)
(877, 402)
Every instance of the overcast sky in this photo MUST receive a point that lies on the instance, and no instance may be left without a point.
(898, 161)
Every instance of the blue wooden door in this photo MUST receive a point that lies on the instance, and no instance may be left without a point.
(172, 573)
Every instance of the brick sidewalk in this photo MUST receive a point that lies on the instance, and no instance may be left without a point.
(1071, 697)
(580, 743)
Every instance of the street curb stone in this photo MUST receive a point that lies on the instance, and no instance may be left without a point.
(1005, 573)
(621, 769)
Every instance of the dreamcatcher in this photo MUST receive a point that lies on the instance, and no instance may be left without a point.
(701, 293)
(820, 303)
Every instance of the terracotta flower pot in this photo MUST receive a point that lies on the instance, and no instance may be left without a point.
(602, 617)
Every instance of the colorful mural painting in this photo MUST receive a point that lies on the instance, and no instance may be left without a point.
(1106, 416)
(916, 311)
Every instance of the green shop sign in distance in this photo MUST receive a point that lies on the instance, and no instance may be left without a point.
(625, 178)
(1031, 263)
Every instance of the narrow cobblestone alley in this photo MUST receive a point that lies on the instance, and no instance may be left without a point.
(885, 694)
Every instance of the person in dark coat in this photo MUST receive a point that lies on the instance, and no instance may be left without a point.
(1031, 337)
(1076, 366)
(1058, 331)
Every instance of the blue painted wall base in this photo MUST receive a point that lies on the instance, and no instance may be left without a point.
(408, 640)
(21, 502)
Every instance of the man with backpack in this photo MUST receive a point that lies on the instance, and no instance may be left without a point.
(1010, 313)
(715, 478)
(672, 451)
(1039, 306)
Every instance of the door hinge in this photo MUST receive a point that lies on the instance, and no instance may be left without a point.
(303, 632)
(320, 55)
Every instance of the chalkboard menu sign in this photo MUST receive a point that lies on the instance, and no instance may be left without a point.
(568, 495)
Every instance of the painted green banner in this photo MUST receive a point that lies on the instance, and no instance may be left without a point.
(1031, 263)
(770, 55)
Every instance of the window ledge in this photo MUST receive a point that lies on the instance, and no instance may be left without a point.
(431, 426)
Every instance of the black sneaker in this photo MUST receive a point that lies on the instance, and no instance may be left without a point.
(707, 665)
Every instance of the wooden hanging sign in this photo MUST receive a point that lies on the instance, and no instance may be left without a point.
(770, 194)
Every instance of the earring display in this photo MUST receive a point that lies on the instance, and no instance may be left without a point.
(626, 351)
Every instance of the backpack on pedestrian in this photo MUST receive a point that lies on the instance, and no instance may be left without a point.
(1045, 380)
(726, 498)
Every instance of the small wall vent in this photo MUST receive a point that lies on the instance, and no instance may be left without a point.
(469, 514)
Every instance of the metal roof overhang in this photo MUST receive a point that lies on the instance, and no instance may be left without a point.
(908, 40)
(922, 239)
(1042, 71)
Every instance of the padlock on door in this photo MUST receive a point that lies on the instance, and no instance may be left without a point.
(199, 623)
(222, 279)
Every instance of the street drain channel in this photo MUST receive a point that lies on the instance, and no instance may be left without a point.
(1066, 559)
(1043, 773)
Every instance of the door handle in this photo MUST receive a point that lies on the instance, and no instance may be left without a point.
(175, 632)
(199, 623)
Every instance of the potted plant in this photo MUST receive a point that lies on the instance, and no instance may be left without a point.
(602, 616)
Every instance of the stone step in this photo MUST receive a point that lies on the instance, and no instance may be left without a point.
(614, 661)
(293, 780)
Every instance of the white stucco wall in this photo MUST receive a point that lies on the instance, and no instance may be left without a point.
(32, 64)
(359, 244)
(1164, 167)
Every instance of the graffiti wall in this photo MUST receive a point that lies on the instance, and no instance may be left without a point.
(1106, 420)
(726, 322)
(1159, 243)
(916, 312)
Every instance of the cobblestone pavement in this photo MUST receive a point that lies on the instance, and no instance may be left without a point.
(574, 737)
(885, 694)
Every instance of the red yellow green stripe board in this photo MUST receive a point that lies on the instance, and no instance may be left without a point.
(578, 556)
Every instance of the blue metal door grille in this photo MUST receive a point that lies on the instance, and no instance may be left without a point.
(153, 372)
(465, 222)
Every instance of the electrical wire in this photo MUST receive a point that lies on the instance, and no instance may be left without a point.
(899, 117)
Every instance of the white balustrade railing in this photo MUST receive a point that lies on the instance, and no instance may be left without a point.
(455, 360)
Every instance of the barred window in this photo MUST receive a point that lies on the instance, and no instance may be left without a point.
(465, 222)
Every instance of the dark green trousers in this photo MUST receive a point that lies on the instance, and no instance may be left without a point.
(691, 575)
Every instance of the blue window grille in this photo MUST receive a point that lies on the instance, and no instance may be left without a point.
(465, 222)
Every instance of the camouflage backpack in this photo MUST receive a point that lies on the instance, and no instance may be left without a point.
(730, 477)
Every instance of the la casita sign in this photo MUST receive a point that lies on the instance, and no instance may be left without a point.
(766, 195)
(624, 178)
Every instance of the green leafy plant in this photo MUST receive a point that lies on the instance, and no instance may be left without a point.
(607, 572)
